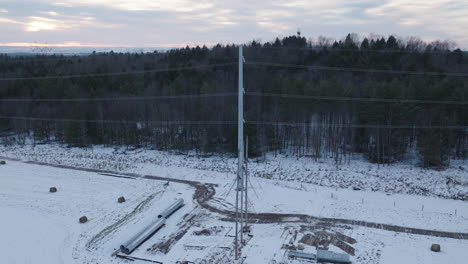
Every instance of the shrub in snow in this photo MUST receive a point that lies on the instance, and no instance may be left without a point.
(53, 189)
(203, 232)
(2, 162)
(121, 199)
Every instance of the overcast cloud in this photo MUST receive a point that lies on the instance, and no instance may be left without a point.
(157, 23)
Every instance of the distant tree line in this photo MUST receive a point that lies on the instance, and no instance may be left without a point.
(321, 123)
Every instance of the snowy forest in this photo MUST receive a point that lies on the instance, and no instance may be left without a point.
(385, 98)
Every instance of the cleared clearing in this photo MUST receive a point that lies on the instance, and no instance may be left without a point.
(201, 231)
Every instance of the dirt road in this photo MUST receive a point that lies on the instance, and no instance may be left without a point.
(204, 192)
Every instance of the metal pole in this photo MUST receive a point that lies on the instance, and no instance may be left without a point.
(242, 212)
(246, 175)
(240, 145)
(236, 244)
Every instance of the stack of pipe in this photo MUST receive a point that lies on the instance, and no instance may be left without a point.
(144, 234)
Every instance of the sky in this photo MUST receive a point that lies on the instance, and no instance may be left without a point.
(176, 23)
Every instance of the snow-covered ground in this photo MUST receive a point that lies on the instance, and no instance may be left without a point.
(41, 227)
(405, 178)
(396, 209)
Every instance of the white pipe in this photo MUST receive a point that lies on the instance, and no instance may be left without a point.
(172, 208)
(137, 240)
(144, 234)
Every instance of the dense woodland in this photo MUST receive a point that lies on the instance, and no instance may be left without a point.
(298, 110)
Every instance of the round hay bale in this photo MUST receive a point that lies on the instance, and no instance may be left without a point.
(53, 189)
(83, 219)
(2, 162)
(435, 247)
(121, 199)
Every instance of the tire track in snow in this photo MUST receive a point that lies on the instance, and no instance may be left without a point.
(204, 192)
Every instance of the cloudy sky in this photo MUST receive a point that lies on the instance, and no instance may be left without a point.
(169, 23)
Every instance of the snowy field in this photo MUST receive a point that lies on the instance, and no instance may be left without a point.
(41, 227)
(404, 178)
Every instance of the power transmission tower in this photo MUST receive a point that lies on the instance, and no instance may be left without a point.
(246, 182)
(240, 165)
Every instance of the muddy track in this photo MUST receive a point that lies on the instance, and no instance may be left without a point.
(204, 192)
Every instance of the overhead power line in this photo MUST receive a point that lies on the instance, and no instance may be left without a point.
(117, 73)
(64, 58)
(111, 142)
(359, 99)
(331, 49)
(186, 122)
(38, 59)
(132, 122)
(293, 124)
(257, 94)
(127, 98)
(148, 56)
(350, 69)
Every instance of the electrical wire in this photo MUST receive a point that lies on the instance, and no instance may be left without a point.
(256, 94)
(86, 141)
(64, 57)
(341, 69)
(132, 122)
(293, 124)
(117, 73)
(331, 49)
(185, 122)
(359, 99)
(129, 98)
